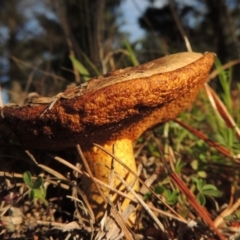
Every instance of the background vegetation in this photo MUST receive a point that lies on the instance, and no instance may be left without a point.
(39, 43)
(38, 38)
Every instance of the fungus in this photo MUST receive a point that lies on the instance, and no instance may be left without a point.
(112, 111)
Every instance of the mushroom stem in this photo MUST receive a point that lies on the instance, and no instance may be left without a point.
(104, 168)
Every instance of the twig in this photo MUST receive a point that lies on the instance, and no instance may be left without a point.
(180, 27)
(226, 212)
(143, 204)
(39, 70)
(68, 35)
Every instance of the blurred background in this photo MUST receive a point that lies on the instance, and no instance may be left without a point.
(48, 45)
(42, 42)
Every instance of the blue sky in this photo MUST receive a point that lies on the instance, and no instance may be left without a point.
(132, 10)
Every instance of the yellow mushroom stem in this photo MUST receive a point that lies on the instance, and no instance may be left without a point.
(102, 166)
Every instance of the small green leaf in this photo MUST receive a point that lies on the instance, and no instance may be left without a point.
(202, 174)
(202, 157)
(233, 217)
(131, 53)
(159, 189)
(211, 190)
(91, 64)
(229, 217)
(213, 193)
(38, 183)
(201, 199)
(179, 165)
(31, 195)
(171, 197)
(153, 150)
(200, 143)
(40, 194)
(237, 215)
(208, 187)
(147, 196)
(44, 191)
(81, 69)
(199, 183)
(27, 178)
(194, 164)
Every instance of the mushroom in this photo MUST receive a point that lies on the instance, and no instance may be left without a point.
(112, 111)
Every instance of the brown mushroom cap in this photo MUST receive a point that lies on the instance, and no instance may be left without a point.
(121, 104)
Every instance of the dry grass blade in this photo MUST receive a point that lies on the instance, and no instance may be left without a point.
(71, 166)
(11, 175)
(214, 73)
(31, 157)
(140, 180)
(68, 34)
(109, 229)
(45, 168)
(18, 175)
(148, 182)
(114, 211)
(226, 212)
(198, 208)
(46, 73)
(63, 226)
(221, 109)
(180, 26)
(145, 188)
(87, 211)
(142, 145)
(143, 204)
(52, 172)
(200, 135)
